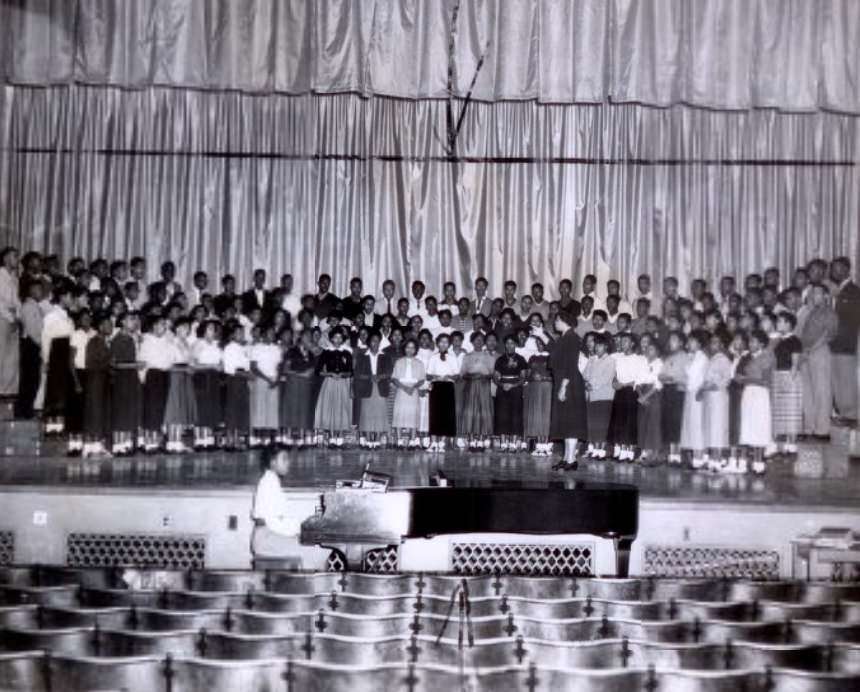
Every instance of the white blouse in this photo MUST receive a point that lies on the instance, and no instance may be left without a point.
(79, 341)
(207, 354)
(156, 352)
(450, 367)
(267, 357)
(235, 358)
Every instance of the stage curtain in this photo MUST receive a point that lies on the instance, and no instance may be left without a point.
(228, 181)
(797, 55)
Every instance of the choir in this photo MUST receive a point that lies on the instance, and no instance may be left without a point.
(720, 381)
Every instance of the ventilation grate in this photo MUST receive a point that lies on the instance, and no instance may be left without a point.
(136, 550)
(710, 561)
(7, 547)
(571, 559)
(335, 562)
(381, 560)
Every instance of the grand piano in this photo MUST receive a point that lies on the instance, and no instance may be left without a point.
(354, 519)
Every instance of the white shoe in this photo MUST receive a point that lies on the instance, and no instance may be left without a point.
(791, 449)
(759, 468)
(698, 463)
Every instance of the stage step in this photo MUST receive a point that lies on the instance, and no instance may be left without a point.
(846, 438)
(20, 438)
(821, 461)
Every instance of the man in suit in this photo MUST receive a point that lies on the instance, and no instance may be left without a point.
(371, 318)
(844, 345)
(483, 304)
(324, 301)
(227, 297)
(353, 302)
(257, 297)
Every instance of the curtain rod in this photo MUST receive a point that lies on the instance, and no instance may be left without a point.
(396, 158)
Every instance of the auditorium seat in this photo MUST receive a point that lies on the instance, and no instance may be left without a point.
(156, 620)
(706, 610)
(610, 589)
(77, 641)
(221, 645)
(281, 603)
(378, 585)
(105, 598)
(127, 643)
(443, 586)
(763, 591)
(44, 595)
(586, 680)
(830, 592)
(844, 658)
(674, 656)
(807, 631)
(290, 583)
(23, 671)
(370, 606)
(720, 632)
(707, 681)
(204, 600)
(562, 655)
(687, 589)
(253, 622)
(353, 651)
(801, 681)
(749, 655)
(346, 625)
(106, 618)
(18, 615)
(779, 610)
(196, 674)
(536, 588)
(237, 581)
(85, 674)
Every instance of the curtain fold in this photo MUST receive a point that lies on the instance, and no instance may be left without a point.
(793, 55)
(231, 181)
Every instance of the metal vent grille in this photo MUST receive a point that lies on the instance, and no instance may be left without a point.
(573, 559)
(335, 562)
(710, 561)
(381, 560)
(7, 547)
(137, 550)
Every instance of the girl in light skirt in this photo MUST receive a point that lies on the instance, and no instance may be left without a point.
(756, 429)
(265, 358)
(334, 405)
(407, 379)
(181, 411)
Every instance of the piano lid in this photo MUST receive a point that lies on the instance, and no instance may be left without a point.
(356, 516)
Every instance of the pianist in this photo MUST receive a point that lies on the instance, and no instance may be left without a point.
(276, 528)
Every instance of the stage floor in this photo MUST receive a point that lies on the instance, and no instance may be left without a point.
(318, 469)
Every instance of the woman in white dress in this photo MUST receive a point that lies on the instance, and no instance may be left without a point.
(408, 378)
(692, 422)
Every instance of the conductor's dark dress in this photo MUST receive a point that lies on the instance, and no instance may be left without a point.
(568, 419)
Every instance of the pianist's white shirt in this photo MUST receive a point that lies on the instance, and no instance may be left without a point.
(270, 505)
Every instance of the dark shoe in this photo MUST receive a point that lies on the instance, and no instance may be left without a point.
(572, 466)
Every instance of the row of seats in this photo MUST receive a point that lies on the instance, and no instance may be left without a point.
(60, 622)
(545, 588)
(84, 600)
(427, 649)
(36, 673)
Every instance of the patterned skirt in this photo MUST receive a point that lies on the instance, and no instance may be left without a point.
(787, 403)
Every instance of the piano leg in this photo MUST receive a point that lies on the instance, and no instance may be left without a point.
(622, 556)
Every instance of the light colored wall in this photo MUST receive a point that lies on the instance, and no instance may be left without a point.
(208, 513)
